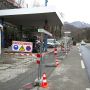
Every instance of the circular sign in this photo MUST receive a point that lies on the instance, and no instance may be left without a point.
(15, 47)
(28, 48)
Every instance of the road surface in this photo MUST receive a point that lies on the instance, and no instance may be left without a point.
(29, 76)
(85, 50)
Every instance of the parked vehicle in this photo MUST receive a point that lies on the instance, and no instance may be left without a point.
(83, 43)
(52, 43)
(57, 43)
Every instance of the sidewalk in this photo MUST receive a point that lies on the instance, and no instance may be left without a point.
(10, 57)
(12, 65)
(69, 75)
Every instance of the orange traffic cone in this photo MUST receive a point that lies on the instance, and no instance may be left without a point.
(44, 83)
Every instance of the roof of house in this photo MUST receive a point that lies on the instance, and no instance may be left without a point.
(32, 16)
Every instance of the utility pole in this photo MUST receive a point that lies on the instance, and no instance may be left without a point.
(46, 2)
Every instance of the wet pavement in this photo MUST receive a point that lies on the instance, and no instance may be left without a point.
(14, 64)
(85, 51)
(70, 75)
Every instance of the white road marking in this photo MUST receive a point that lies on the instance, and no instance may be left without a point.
(78, 47)
(82, 64)
(87, 88)
(79, 50)
(80, 54)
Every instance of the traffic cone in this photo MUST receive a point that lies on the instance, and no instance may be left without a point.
(57, 62)
(55, 51)
(63, 50)
(44, 83)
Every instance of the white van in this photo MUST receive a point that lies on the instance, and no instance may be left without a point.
(83, 43)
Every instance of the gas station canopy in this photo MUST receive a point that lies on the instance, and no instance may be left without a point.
(32, 16)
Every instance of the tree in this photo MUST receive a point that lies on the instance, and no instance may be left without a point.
(20, 3)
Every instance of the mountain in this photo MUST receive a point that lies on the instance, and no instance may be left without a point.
(68, 27)
(79, 24)
(79, 30)
(75, 31)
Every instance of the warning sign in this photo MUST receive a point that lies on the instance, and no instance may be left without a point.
(28, 48)
(22, 46)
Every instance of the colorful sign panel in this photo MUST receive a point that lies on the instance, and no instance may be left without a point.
(21, 46)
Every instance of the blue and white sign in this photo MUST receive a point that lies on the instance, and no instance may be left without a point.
(15, 47)
(28, 48)
(21, 46)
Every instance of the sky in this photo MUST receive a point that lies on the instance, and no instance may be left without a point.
(73, 10)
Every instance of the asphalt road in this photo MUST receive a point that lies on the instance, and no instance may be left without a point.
(30, 75)
(85, 50)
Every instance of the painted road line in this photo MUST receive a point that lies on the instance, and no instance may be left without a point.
(80, 54)
(87, 88)
(82, 64)
(79, 50)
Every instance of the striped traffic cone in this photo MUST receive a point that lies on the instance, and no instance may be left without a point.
(55, 51)
(57, 62)
(44, 83)
(63, 50)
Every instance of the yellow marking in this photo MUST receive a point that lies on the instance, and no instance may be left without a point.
(21, 48)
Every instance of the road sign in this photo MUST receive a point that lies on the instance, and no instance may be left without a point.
(28, 48)
(21, 46)
(15, 47)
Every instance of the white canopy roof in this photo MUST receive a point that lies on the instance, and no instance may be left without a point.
(32, 16)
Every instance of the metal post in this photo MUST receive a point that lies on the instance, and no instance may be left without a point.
(2, 33)
(1, 28)
(45, 43)
(42, 31)
(39, 72)
(41, 50)
(0, 41)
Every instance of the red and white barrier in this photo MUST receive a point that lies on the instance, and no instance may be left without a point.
(38, 57)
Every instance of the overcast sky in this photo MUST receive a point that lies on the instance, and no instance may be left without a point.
(73, 10)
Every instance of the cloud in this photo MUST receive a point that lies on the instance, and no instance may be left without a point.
(73, 9)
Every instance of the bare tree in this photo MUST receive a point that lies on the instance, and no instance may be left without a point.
(20, 3)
